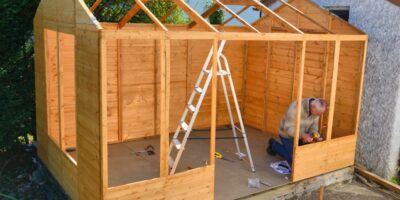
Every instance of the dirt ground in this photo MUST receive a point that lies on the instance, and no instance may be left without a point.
(22, 176)
(357, 189)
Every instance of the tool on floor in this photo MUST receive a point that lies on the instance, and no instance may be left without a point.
(220, 156)
(199, 92)
(256, 183)
(149, 150)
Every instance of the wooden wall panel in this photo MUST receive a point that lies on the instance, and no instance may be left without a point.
(67, 64)
(255, 84)
(348, 86)
(51, 63)
(112, 91)
(322, 157)
(199, 181)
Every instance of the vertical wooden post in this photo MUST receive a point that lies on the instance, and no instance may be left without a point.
(333, 90)
(327, 54)
(298, 104)
(164, 105)
(60, 77)
(213, 102)
(103, 116)
(119, 92)
(361, 87)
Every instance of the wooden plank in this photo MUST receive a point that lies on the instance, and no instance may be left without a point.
(213, 102)
(95, 5)
(164, 105)
(333, 90)
(132, 12)
(361, 85)
(206, 14)
(241, 20)
(233, 17)
(103, 117)
(169, 12)
(373, 177)
(193, 15)
(178, 186)
(150, 14)
(298, 106)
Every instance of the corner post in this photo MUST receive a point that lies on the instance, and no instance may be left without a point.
(164, 105)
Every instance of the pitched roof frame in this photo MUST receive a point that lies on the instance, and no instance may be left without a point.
(197, 19)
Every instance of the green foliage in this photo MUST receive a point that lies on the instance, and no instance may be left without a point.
(115, 10)
(17, 101)
(217, 17)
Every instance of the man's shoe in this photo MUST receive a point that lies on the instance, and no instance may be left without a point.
(269, 148)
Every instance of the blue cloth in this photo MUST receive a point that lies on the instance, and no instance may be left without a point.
(285, 150)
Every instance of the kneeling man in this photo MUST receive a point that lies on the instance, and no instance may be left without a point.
(311, 110)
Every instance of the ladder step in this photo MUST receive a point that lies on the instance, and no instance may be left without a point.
(184, 126)
(198, 89)
(223, 73)
(238, 129)
(177, 144)
(207, 71)
(191, 108)
(170, 162)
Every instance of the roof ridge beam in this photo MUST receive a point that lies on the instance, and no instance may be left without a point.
(304, 15)
(132, 12)
(232, 17)
(241, 20)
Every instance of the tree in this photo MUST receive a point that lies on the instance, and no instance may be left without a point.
(114, 10)
(17, 100)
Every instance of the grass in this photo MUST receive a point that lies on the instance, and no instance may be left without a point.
(23, 176)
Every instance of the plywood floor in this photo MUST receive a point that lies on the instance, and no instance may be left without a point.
(231, 177)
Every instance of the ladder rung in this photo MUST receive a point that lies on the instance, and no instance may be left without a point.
(198, 89)
(191, 108)
(223, 73)
(184, 126)
(238, 129)
(170, 162)
(207, 71)
(177, 144)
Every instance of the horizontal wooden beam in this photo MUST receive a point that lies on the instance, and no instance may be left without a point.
(371, 176)
(305, 16)
(241, 20)
(132, 12)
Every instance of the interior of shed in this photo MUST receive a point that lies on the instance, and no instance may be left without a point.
(265, 78)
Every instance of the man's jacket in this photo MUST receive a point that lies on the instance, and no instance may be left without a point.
(309, 123)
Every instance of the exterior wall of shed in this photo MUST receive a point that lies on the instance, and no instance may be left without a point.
(378, 144)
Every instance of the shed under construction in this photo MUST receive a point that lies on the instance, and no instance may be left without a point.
(105, 91)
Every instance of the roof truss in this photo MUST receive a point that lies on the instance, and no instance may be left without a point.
(218, 4)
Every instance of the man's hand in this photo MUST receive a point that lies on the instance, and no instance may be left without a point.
(306, 138)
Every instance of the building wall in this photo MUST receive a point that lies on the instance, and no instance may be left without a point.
(379, 130)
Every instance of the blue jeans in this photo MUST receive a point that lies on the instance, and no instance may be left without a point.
(285, 150)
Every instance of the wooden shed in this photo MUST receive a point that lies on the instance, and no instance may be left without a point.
(105, 91)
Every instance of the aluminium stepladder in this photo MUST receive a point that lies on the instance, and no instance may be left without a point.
(194, 110)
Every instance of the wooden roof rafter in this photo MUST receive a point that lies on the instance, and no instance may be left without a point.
(95, 5)
(194, 15)
(232, 17)
(150, 14)
(241, 20)
(132, 12)
(169, 12)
